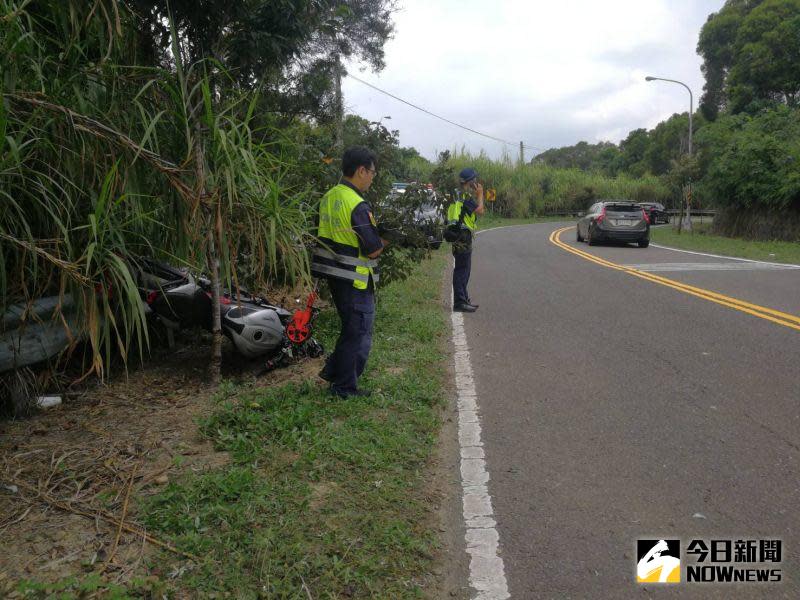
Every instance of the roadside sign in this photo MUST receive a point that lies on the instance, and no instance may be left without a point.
(491, 195)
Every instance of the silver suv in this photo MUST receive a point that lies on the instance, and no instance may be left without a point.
(614, 220)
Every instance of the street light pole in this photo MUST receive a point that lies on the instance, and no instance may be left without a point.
(687, 220)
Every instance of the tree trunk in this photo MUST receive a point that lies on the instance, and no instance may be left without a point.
(687, 219)
(215, 368)
(212, 256)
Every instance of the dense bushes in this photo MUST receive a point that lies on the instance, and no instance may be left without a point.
(753, 161)
(120, 137)
(751, 170)
(524, 190)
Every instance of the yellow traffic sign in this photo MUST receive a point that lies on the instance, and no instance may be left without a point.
(491, 195)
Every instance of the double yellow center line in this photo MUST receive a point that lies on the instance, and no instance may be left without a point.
(762, 312)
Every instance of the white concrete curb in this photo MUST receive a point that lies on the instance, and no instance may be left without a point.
(486, 569)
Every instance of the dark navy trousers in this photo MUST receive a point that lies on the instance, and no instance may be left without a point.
(461, 272)
(356, 310)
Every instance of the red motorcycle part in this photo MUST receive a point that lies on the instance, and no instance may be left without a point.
(299, 328)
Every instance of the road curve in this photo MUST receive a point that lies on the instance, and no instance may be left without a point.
(615, 408)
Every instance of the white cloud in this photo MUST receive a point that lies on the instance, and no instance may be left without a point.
(549, 73)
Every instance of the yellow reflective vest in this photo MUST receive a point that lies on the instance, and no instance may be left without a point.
(454, 211)
(338, 254)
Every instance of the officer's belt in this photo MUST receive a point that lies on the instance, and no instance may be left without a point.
(462, 226)
(342, 273)
(345, 260)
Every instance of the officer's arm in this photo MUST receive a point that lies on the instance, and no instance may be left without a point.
(364, 225)
(479, 197)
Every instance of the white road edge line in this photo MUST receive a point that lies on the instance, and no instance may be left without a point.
(486, 569)
(763, 262)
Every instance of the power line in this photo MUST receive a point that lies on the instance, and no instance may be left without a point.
(412, 105)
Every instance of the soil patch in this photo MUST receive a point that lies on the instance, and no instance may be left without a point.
(70, 475)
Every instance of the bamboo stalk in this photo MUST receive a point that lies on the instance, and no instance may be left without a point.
(104, 516)
(122, 518)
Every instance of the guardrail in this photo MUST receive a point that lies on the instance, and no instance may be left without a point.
(696, 212)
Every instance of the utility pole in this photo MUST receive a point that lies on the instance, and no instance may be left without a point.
(339, 101)
(521, 154)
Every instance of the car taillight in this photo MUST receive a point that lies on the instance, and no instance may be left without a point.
(601, 216)
(646, 218)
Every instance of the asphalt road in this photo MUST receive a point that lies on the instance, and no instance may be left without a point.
(615, 409)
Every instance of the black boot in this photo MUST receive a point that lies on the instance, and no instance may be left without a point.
(464, 307)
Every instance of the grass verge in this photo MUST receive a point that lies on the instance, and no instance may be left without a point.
(490, 221)
(324, 498)
(321, 498)
(700, 240)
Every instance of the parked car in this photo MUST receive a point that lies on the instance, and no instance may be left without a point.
(655, 212)
(398, 188)
(614, 220)
(422, 227)
(430, 222)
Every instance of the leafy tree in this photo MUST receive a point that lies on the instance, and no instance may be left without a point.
(668, 142)
(716, 46)
(750, 50)
(288, 49)
(767, 55)
(412, 166)
(632, 153)
(608, 159)
(751, 162)
(583, 156)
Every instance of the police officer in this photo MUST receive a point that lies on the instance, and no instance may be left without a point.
(468, 199)
(347, 256)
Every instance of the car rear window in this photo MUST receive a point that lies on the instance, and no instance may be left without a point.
(623, 208)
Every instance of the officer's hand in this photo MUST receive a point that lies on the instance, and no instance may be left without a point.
(479, 191)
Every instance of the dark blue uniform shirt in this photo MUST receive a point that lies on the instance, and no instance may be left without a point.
(469, 206)
(367, 233)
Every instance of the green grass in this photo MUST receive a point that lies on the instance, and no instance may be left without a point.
(324, 495)
(489, 221)
(701, 240)
(90, 586)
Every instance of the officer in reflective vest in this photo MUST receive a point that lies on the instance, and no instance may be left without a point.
(346, 256)
(468, 199)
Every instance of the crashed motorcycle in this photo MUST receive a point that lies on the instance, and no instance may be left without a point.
(177, 299)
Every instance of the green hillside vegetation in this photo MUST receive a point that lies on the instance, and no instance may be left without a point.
(533, 190)
(746, 136)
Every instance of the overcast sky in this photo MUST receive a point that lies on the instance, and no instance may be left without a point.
(548, 72)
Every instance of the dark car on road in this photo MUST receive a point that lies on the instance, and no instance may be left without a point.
(614, 220)
(422, 227)
(655, 212)
(430, 223)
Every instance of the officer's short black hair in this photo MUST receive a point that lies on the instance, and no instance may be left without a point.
(355, 157)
